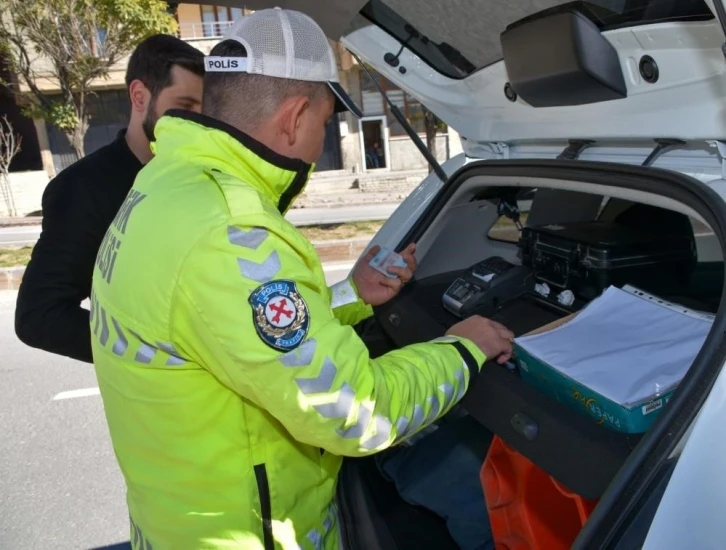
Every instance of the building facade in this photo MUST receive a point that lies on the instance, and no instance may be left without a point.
(375, 147)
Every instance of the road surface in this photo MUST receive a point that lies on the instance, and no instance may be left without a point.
(19, 236)
(60, 487)
(27, 236)
(341, 214)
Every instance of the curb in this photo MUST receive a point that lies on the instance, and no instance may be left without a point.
(341, 250)
(21, 221)
(328, 251)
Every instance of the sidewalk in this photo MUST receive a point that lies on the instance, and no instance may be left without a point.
(318, 201)
(314, 197)
(329, 252)
(325, 191)
(24, 221)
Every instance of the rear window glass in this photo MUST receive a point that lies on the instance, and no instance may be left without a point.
(458, 37)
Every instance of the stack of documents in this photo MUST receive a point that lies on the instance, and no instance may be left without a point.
(626, 345)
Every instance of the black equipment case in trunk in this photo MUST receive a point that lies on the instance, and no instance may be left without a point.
(588, 257)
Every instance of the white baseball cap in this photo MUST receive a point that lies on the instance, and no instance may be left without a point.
(284, 44)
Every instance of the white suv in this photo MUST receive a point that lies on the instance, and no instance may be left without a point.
(600, 112)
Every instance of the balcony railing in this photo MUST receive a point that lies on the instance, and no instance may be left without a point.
(213, 29)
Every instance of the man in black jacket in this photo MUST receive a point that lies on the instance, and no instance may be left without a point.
(82, 201)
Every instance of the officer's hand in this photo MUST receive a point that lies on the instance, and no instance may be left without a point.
(374, 287)
(493, 338)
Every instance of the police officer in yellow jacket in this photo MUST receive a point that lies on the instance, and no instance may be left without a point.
(231, 378)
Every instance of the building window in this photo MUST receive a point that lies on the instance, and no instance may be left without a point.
(216, 19)
(373, 104)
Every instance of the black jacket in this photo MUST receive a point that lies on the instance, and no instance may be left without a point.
(78, 207)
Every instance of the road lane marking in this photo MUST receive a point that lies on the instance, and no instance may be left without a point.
(86, 392)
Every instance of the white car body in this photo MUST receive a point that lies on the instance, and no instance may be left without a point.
(688, 102)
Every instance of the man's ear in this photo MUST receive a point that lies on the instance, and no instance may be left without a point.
(294, 111)
(139, 95)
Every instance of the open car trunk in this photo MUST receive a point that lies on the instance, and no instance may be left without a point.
(462, 227)
(522, 79)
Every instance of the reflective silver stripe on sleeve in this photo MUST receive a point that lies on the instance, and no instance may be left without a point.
(261, 273)
(435, 408)
(321, 383)
(401, 427)
(104, 328)
(316, 539)
(343, 294)
(406, 427)
(417, 419)
(360, 426)
(175, 360)
(139, 540)
(445, 340)
(410, 426)
(121, 344)
(302, 356)
(98, 320)
(448, 390)
(92, 309)
(341, 407)
(145, 354)
(248, 239)
(327, 524)
(461, 379)
(383, 434)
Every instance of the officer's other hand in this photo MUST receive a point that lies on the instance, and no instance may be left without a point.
(376, 289)
(494, 339)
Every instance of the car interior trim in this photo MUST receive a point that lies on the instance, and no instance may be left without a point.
(650, 455)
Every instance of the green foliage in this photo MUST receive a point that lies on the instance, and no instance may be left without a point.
(72, 43)
(62, 115)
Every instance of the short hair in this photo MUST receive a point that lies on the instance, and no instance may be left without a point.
(246, 100)
(153, 59)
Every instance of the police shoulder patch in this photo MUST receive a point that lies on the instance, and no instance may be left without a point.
(280, 315)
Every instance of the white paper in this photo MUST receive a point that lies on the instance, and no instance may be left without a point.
(622, 346)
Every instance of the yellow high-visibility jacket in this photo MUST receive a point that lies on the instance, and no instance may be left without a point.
(232, 381)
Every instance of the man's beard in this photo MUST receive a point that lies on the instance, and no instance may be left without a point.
(149, 122)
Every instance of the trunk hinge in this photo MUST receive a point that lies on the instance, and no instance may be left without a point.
(575, 149)
(485, 150)
(501, 150)
(663, 145)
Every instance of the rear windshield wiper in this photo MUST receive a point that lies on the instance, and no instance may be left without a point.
(435, 166)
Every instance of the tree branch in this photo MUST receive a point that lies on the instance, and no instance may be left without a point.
(9, 147)
(9, 144)
(26, 71)
(64, 35)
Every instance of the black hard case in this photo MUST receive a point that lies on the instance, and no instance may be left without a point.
(588, 257)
